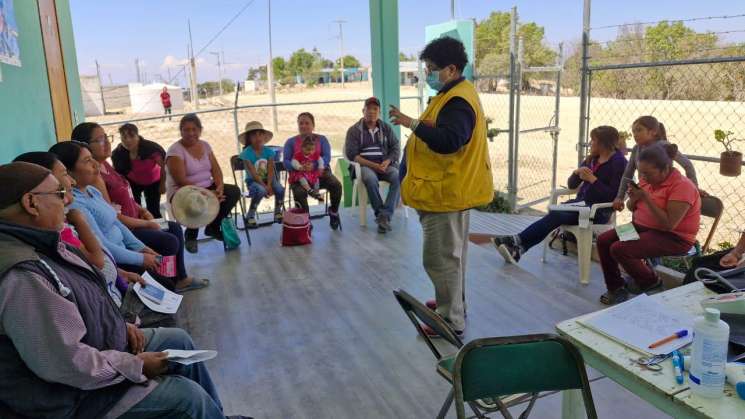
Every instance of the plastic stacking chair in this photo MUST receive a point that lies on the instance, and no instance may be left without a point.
(493, 367)
(418, 312)
(359, 194)
(237, 167)
(584, 231)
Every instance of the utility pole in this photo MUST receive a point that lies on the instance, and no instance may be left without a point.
(193, 66)
(100, 87)
(111, 82)
(137, 69)
(270, 72)
(452, 9)
(219, 71)
(169, 75)
(341, 49)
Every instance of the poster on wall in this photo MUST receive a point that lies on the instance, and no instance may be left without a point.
(9, 51)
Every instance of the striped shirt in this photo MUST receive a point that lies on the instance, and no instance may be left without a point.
(371, 147)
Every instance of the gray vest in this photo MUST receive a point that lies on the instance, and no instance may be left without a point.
(20, 389)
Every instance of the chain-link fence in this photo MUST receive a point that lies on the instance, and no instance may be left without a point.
(702, 89)
(221, 126)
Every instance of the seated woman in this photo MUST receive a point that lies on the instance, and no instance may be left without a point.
(78, 234)
(597, 177)
(666, 210)
(128, 252)
(190, 161)
(261, 178)
(306, 124)
(143, 163)
(116, 190)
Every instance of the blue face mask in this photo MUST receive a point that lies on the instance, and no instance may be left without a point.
(433, 80)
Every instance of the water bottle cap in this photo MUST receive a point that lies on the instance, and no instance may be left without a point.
(711, 315)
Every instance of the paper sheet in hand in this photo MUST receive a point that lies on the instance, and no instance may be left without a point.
(189, 357)
(169, 303)
(626, 232)
(640, 322)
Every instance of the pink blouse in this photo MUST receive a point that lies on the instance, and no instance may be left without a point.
(198, 171)
(119, 191)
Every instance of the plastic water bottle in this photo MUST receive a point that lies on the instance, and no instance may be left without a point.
(709, 355)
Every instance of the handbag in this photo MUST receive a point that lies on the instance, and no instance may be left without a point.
(296, 227)
(230, 239)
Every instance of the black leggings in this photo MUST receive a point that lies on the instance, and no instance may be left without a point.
(232, 195)
(152, 197)
(166, 243)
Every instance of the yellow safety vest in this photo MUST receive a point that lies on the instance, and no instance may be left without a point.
(458, 181)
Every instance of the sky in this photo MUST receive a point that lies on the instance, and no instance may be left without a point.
(155, 31)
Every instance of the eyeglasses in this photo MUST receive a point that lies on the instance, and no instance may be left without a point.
(60, 193)
(102, 140)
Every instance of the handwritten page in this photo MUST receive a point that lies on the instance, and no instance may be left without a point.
(189, 357)
(626, 232)
(640, 322)
(168, 303)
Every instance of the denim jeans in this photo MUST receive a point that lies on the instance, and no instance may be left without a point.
(536, 232)
(371, 180)
(257, 192)
(185, 391)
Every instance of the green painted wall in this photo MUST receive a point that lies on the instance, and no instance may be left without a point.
(384, 42)
(26, 118)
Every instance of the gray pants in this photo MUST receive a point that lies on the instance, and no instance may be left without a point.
(444, 257)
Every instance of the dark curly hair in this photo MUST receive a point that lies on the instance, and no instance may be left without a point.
(445, 51)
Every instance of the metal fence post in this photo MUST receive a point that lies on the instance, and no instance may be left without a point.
(511, 185)
(516, 125)
(584, 91)
(555, 131)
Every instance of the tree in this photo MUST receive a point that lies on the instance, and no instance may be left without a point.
(493, 41)
(349, 62)
(258, 73)
(404, 57)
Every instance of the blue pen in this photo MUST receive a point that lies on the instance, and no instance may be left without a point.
(678, 367)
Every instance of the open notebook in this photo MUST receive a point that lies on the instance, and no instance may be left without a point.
(640, 322)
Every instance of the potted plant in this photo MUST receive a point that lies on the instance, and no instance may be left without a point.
(730, 162)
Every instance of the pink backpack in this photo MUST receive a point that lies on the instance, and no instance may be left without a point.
(295, 227)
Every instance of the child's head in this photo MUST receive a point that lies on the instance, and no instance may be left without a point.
(647, 129)
(603, 138)
(308, 145)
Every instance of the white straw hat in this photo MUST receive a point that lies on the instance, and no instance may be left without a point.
(194, 207)
(253, 126)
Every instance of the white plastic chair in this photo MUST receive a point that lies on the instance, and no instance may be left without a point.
(360, 192)
(584, 231)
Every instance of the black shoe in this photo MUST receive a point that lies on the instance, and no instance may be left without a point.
(334, 220)
(381, 222)
(191, 245)
(215, 233)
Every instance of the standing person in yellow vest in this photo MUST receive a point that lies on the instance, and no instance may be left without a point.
(446, 171)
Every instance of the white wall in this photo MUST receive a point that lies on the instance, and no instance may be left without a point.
(91, 90)
(145, 99)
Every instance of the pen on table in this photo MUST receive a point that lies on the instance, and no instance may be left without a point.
(670, 338)
(678, 366)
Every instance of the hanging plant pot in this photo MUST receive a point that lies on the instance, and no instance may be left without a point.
(730, 163)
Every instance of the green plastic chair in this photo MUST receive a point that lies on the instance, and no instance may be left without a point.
(419, 313)
(492, 367)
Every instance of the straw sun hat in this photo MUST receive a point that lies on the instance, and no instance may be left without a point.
(253, 126)
(194, 207)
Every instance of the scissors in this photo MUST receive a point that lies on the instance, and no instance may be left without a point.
(652, 363)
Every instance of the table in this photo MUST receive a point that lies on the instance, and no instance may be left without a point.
(615, 361)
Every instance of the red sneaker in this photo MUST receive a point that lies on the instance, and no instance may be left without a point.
(432, 334)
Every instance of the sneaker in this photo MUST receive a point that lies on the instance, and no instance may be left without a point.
(316, 195)
(507, 248)
(334, 220)
(432, 334)
(251, 222)
(432, 305)
(278, 217)
(388, 224)
(381, 222)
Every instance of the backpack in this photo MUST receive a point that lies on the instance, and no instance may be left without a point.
(295, 227)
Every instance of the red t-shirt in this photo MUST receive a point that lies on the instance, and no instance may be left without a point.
(675, 188)
(119, 191)
(165, 99)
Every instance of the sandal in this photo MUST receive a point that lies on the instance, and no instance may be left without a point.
(634, 287)
(614, 297)
(195, 285)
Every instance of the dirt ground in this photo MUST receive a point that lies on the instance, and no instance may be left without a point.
(690, 124)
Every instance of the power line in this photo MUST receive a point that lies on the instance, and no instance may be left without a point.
(695, 19)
